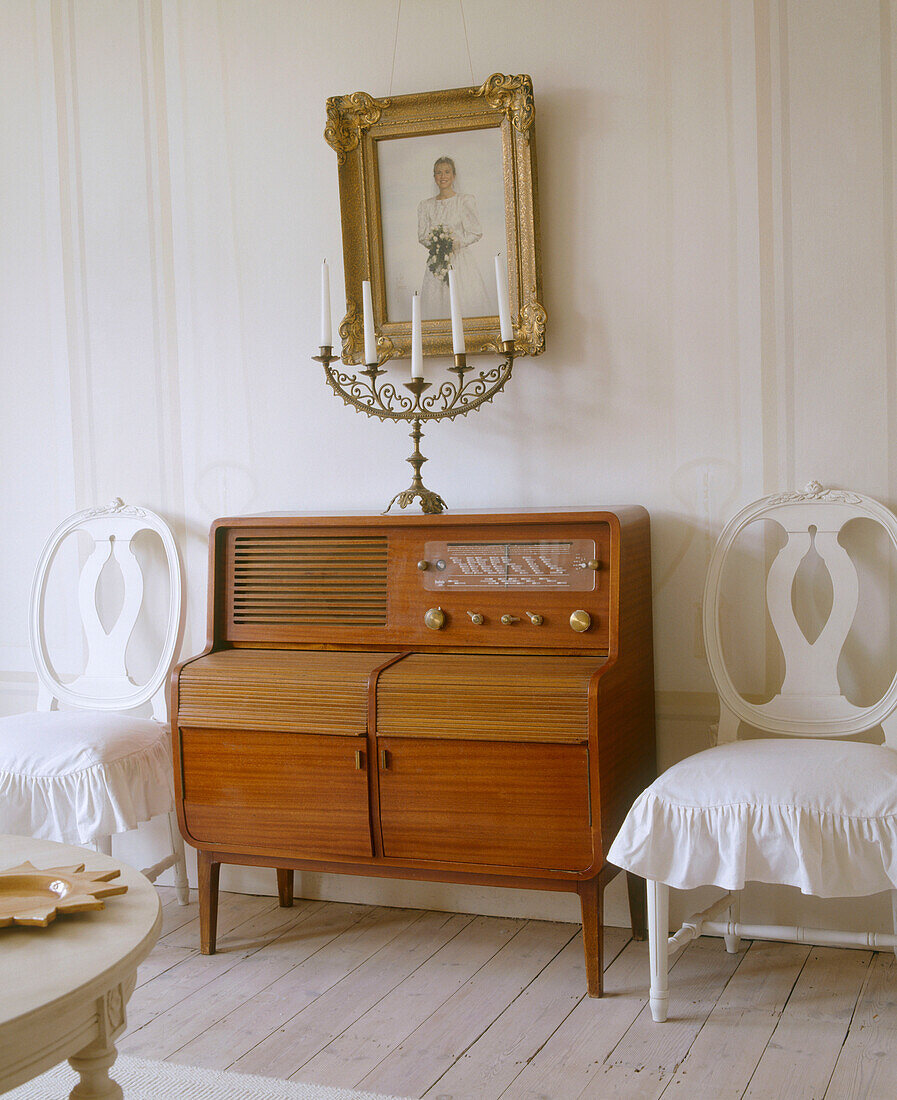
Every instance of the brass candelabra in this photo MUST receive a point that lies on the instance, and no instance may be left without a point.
(384, 400)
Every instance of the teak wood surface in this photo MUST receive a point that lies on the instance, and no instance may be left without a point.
(326, 727)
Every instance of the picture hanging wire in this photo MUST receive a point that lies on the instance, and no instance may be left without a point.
(395, 44)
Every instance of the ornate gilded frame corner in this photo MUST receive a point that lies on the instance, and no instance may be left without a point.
(355, 124)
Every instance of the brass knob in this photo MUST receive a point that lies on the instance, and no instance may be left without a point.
(580, 621)
(476, 618)
(423, 566)
(508, 619)
(536, 620)
(592, 563)
(434, 618)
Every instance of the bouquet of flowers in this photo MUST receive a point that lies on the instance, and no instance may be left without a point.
(439, 250)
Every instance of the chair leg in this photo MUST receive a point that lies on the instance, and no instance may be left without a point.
(285, 887)
(181, 885)
(591, 897)
(208, 901)
(733, 942)
(658, 947)
(638, 905)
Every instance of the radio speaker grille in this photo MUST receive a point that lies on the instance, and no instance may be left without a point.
(292, 580)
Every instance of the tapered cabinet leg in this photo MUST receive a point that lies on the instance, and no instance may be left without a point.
(658, 947)
(208, 901)
(285, 886)
(591, 899)
(638, 905)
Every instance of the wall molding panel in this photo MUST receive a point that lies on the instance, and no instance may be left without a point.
(71, 214)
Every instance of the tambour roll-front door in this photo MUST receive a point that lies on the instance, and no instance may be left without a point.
(273, 750)
(484, 760)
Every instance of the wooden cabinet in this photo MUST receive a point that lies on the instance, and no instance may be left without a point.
(333, 724)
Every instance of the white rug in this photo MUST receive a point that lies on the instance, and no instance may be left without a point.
(144, 1080)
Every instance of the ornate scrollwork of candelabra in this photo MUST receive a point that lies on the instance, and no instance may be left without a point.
(456, 396)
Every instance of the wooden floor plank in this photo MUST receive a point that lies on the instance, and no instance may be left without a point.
(346, 1060)
(801, 1055)
(642, 1064)
(488, 1066)
(286, 1052)
(419, 1061)
(163, 994)
(469, 1008)
(175, 916)
(867, 1064)
(569, 1059)
(160, 959)
(233, 910)
(723, 1057)
(323, 956)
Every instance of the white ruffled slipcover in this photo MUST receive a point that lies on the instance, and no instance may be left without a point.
(73, 776)
(817, 814)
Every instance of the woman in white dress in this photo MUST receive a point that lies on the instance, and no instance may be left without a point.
(447, 225)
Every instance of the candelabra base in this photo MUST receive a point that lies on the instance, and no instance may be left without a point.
(431, 503)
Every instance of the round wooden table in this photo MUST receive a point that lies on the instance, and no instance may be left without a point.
(63, 988)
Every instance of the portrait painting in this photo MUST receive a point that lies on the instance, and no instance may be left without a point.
(442, 204)
(433, 181)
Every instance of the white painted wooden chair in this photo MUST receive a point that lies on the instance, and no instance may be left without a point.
(797, 807)
(81, 774)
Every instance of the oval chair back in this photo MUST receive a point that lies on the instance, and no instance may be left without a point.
(105, 683)
(810, 702)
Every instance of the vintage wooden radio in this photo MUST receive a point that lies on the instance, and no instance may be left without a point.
(465, 698)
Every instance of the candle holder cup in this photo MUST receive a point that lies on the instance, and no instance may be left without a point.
(366, 392)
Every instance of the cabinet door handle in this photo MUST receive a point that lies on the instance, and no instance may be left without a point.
(384, 760)
(359, 760)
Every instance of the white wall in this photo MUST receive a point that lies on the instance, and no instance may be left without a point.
(717, 194)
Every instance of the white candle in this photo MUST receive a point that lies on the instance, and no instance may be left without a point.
(370, 337)
(417, 347)
(326, 331)
(458, 346)
(501, 283)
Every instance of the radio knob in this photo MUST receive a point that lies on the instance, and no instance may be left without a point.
(423, 565)
(434, 618)
(508, 619)
(476, 618)
(580, 621)
(535, 619)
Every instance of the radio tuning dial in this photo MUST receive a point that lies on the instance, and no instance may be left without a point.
(423, 565)
(580, 621)
(434, 618)
(476, 618)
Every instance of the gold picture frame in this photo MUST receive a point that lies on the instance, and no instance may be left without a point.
(384, 153)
